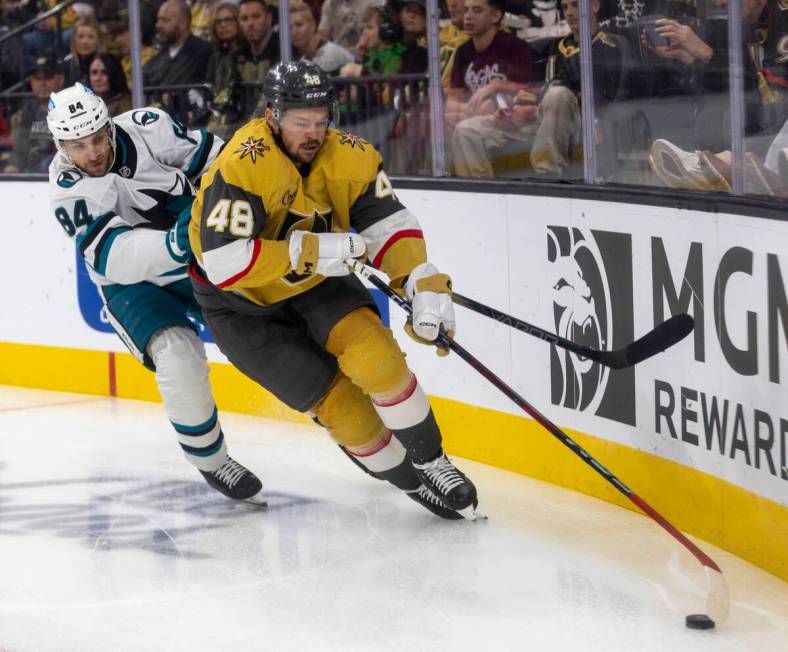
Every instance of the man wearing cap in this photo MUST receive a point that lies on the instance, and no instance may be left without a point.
(33, 147)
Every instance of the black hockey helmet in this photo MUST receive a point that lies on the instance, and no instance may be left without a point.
(299, 85)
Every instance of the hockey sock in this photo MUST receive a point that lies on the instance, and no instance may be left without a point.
(182, 377)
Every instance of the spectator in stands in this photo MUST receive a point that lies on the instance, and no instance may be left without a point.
(222, 74)
(119, 31)
(705, 64)
(259, 53)
(413, 18)
(85, 45)
(342, 20)
(108, 81)
(202, 12)
(704, 170)
(490, 62)
(12, 68)
(554, 125)
(183, 59)
(303, 33)
(451, 36)
(43, 39)
(382, 48)
(33, 146)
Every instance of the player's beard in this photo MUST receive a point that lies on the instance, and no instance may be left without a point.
(105, 165)
(307, 151)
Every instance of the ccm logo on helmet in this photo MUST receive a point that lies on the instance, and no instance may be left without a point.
(316, 95)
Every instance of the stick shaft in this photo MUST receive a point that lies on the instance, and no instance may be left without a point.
(548, 425)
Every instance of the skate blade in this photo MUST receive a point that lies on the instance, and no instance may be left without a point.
(258, 500)
(470, 514)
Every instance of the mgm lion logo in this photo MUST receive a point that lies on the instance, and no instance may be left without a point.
(591, 283)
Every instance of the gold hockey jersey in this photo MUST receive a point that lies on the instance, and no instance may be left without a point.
(253, 197)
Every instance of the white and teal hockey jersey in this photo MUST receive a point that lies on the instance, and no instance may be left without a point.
(119, 220)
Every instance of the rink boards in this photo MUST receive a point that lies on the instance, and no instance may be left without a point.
(700, 431)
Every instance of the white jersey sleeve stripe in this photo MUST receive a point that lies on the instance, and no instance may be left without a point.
(226, 264)
(379, 234)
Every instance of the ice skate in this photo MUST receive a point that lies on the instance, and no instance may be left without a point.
(425, 497)
(237, 482)
(448, 483)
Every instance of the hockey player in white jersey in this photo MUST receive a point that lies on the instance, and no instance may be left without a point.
(118, 188)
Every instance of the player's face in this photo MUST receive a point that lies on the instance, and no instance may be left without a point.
(303, 132)
(92, 154)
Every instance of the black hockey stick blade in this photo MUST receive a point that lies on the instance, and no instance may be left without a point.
(664, 336)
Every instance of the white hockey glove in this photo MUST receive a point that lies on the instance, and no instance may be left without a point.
(177, 239)
(324, 253)
(429, 292)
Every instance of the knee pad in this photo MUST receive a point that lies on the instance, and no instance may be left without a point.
(348, 415)
(368, 354)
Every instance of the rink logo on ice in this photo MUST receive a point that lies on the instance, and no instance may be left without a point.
(592, 305)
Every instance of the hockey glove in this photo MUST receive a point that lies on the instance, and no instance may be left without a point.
(429, 292)
(324, 253)
(178, 238)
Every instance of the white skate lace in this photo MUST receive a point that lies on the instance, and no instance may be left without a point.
(230, 472)
(442, 474)
(424, 492)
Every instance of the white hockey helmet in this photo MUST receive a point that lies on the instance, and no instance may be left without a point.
(76, 112)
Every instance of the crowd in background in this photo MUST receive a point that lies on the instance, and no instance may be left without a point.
(510, 76)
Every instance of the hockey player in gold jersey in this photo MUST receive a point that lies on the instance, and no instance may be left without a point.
(270, 231)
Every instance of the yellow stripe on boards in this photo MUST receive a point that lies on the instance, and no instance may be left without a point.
(749, 526)
(55, 368)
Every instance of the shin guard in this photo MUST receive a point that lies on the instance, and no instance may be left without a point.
(182, 377)
(370, 357)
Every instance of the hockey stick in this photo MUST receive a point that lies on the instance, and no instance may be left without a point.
(662, 337)
(717, 595)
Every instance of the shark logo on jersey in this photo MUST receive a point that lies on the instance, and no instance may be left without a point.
(591, 306)
(252, 147)
(68, 178)
(144, 117)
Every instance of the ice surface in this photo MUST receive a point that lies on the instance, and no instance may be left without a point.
(110, 541)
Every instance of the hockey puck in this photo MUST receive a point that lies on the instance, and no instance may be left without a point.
(699, 621)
